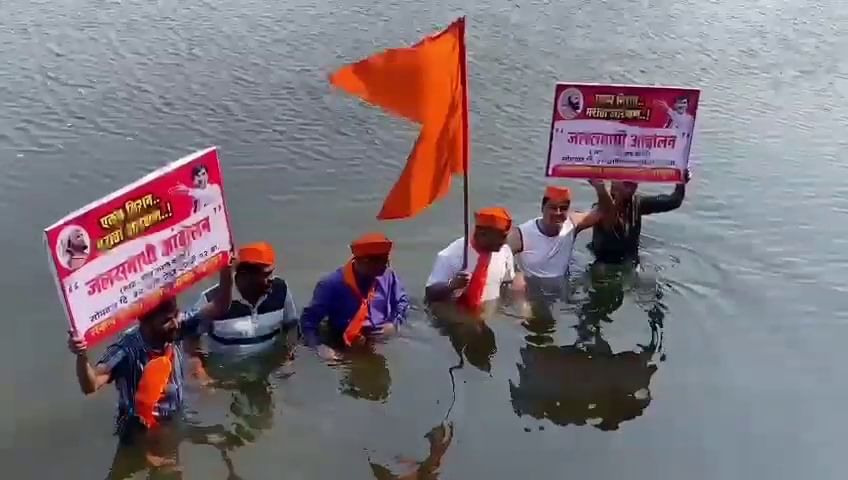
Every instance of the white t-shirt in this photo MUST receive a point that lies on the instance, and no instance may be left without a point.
(203, 197)
(543, 256)
(449, 263)
(682, 122)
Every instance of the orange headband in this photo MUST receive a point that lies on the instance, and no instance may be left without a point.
(557, 194)
(259, 253)
(493, 217)
(371, 244)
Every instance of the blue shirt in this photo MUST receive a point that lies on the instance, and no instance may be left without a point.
(126, 359)
(335, 301)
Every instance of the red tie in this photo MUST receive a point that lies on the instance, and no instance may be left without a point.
(151, 386)
(354, 329)
(472, 297)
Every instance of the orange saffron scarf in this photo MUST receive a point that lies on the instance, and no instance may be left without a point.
(472, 297)
(152, 385)
(354, 328)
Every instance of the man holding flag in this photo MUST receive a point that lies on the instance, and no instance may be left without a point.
(492, 259)
(427, 83)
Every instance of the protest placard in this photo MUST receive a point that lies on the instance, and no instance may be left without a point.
(619, 132)
(116, 257)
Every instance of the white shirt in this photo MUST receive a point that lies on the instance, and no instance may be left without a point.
(203, 197)
(682, 122)
(543, 256)
(449, 263)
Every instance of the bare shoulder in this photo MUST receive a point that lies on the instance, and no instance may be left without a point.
(584, 220)
(578, 217)
(515, 240)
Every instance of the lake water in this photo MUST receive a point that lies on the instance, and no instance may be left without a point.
(745, 285)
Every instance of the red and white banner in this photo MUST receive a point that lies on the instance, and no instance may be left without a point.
(620, 132)
(116, 257)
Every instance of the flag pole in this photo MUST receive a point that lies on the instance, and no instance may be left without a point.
(465, 162)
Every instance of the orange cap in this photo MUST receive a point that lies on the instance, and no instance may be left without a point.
(493, 217)
(371, 244)
(260, 253)
(557, 194)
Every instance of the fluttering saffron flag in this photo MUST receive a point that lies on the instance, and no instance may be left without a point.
(426, 84)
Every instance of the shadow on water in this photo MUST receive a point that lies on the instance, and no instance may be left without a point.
(470, 337)
(586, 382)
(439, 438)
(248, 382)
(365, 374)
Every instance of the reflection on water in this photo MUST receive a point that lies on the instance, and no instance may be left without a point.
(249, 384)
(157, 452)
(586, 382)
(440, 438)
(471, 338)
(365, 374)
(251, 405)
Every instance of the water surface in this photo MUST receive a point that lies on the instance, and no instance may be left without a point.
(723, 359)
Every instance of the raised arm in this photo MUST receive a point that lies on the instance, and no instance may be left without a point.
(90, 378)
(666, 202)
(604, 208)
(223, 297)
(662, 104)
(515, 241)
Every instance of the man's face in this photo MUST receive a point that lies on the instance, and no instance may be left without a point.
(489, 239)
(574, 102)
(623, 190)
(555, 213)
(681, 105)
(201, 178)
(165, 326)
(254, 279)
(373, 265)
(77, 240)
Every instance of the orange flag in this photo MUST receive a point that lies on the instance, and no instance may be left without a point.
(425, 83)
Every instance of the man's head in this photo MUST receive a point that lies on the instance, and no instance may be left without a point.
(76, 241)
(491, 226)
(254, 269)
(574, 102)
(200, 176)
(681, 104)
(371, 254)
(555, 204)
(623, 190)
(161, 324)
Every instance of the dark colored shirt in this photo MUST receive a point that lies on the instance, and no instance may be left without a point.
(335, 301)
(246, 328)
(126, 359)
(621, 242)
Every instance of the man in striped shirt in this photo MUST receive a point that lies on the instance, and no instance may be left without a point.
(125, 363)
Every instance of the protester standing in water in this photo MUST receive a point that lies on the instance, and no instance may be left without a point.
(488, 255)
(363, 298)
(616, 238)
(261, 308)
(147, 365)
(543, 246)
